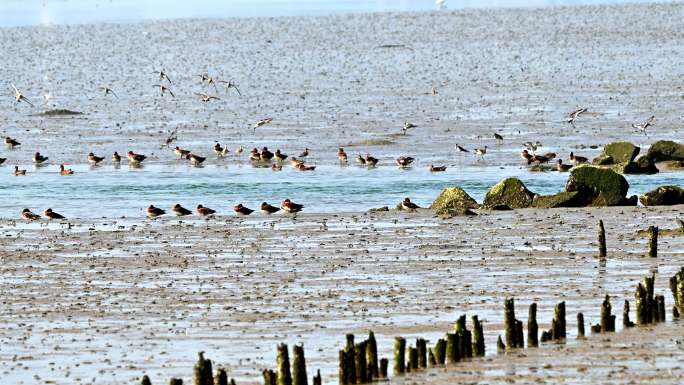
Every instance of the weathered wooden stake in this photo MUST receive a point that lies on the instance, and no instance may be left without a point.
(342, 370)
(176, 381)
(677, 289)
(500, 347)
(284, 376)
(478, 337)
(519, 334)
(413, 358)
(270, 377)
(509, 323)
(221, 377)
(580, 325)
(602, 239)
(452, 348)
(372, 356)
(399, 355)
(432, 360)
(299, 376)
(360, 362)
(350, 341)
(645, 304)
(653, 241)
(626, 323)
(532, 327)
(317, 378)
(202, 372)
(607, 319)
(660, 308)
(465, 338)
(145, 380)
(440, 351)
(384, 363)
(350, 356)
(559, 322)
(421, 346)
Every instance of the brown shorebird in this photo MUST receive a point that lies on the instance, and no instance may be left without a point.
(94, 160)
(406, 204)
(291, 207)
(116, 158)
(562, 167)
(180, 211)
(481, 152)
(268, 209)
(29, 216)
(19, 172)
(49, 214)
(434, 168)
(242, 210)
(341, 155)
(38, 158)
(578, 159)
(19, 97)
(205, 211)
(403, 161)
(153, 212)
(65, 171)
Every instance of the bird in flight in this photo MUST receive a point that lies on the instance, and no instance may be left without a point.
(574, 115)
(229, 84)
(19, 97)
(107, 90)
(163, 89)
(261, 123)
(163, 75)
(207, 98)
(408, 126)
(645, 125)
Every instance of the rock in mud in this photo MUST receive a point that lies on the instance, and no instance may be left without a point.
(643, 165)
(597, 186)
(562, 199)
(508, 194)
(663, 196)
(59, 112)
(453, 201)
(663, 150)
(618, 152)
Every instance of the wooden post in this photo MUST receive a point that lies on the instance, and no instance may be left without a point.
(465, 338)
(145, 380)
(452, 348)
(299, 376)
(677, 289)
(413, 358)
(270, 377)
(432, 360)
(626, 323)
(350, 341)
(607, 319)
(602, 239)
(360, 363)
(532, 327)
(478, 337)
(399, 355)
(176, 381)
(509, 323)
(343, 376)
(500, 347)
(580, 325)
(284, 376)
(653, 241)
(317, 378)
(559, 322)
(202, 372)
(659, 308)
(440, 351)
(421, 347)
(350, 355)
(372, 356)
(221, 377)
(519, 339)
(384, 363)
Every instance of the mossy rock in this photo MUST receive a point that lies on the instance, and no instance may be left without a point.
(597, 186)
(603, 160)
(621, 152)
(452, 201)
(509, 193)
(663, 196)
(643, 165)
(562, 199)
(60, 112)
(663, 150)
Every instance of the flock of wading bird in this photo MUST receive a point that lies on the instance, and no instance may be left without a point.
(274, 160)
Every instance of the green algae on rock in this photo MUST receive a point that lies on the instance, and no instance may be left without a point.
(663, 196)
(597, 186)
(663, 150)
(454, 201)
(621, 152)
(562, 199)
(509, 193)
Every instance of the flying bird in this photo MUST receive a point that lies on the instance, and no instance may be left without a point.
(19, 97)
(645, 125)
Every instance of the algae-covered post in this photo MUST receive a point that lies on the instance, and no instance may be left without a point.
(175, 381)
(284, 377)
(626, 323)
(602, 240)
(478, 337)
(532, 327)
(413, 358)
(559, 322)
(384, 363)
(361, 366)
(580, 325)
(452, 348)
(202, 372)
(500, 347)
(440, 351)
(221, 377)
(509, 323)
(270, 377)
(317, 378)
(465, 338)
(372, 356)
(659, 308)
(652, 241)
(145, 380)
(399, 355)
(677, 289)
(607, 319)
(298, 366)
(421, 346)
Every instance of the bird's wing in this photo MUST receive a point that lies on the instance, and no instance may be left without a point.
(15, 88)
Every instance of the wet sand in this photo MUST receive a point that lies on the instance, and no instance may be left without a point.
(113, 299)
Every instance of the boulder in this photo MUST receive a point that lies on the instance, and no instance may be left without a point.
(671, 165)
(597, 186)
(509, 193)
(621, 152)
(603, 160)
(663, 150)
(453, 201)
(562, 199)
(643, 165)
(663, 196)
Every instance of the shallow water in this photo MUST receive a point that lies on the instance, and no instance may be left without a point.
(45, 12)
(108, 191)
